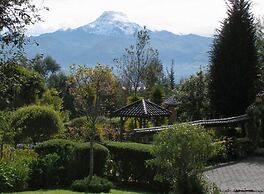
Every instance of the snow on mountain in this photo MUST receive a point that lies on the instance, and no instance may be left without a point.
(111, 23)
(106, 38)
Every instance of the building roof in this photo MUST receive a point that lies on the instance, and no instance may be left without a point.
(142, 108)
(170, 101)
(206, 123)
(260, 94)
(222, 121)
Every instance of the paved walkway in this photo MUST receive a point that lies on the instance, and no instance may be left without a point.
(244, 177)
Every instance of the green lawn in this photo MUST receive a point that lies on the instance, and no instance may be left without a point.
(57, 191)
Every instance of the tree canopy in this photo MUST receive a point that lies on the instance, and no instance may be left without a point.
(19, 86)
(192, 97)
(15, 16)
(138, 63)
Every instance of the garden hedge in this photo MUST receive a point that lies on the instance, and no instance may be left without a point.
(129, 165)
(73, 162)
(129, 162)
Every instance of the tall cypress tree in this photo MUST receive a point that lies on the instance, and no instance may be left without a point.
(233, 58)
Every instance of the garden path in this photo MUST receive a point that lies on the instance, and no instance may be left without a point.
(243, 177)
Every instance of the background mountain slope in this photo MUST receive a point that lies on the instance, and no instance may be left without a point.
(106, 38)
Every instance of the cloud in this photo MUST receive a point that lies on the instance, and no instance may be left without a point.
(179, 16)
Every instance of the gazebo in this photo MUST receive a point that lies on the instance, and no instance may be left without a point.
(171, 104)
(142, 110)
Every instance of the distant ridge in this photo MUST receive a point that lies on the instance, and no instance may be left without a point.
(106, 38)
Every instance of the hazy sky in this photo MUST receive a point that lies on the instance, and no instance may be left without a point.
(178, 16)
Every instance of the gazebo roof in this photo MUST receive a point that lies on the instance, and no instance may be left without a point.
(170, 102)
(261, 93)
(142, 108)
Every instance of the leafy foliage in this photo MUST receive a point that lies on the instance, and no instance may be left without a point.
(94, 91)
(139, 61)
(6, 132)
(255, 128)
(65, 161)
(44, 66)
(93, 185)
(233, 69)
(19, 86)
(37, 122)
(15, 16)
(129, 162)
(157, 95)
(192, 97)
(180, 155)
(14, 170)
(51, 98)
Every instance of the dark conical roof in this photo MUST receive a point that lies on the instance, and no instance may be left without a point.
(170, 101)
(142, 108)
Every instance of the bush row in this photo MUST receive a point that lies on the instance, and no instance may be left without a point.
(233, 149)
(61, 162)
(129, 162)
(128, 165)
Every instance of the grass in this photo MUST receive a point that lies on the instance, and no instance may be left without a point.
(59, 191)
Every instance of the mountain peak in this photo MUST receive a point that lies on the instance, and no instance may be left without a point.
(112, 23)
(113, 16)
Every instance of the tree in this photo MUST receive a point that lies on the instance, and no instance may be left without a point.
(180, 155)
(233, 68)
(51, 98)
(19, 86)
(192, 97)
(260, 44)
(93, 89)
(153, 75)
(132, 65)
(15, 16)
(171, 75)
(45, 66)
(59, 82)
(157, 95)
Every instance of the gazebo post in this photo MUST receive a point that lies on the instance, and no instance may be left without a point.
(140, 123)
(145, 122)
(121, 128)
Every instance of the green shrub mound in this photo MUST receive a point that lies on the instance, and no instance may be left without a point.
(65, 161)
(95, 185)
(129, 162)
(181, 154)
(36, 122)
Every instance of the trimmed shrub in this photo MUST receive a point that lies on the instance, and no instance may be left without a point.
(72, 163)
(129, 162)
(37, 122)
(82, 159)
(95, 185)
(45, 172)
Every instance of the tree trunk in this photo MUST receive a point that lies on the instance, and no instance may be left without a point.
(91, 167)
(1, 150)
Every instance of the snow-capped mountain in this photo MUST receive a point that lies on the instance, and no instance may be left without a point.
(106, 38)
(111, 23)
